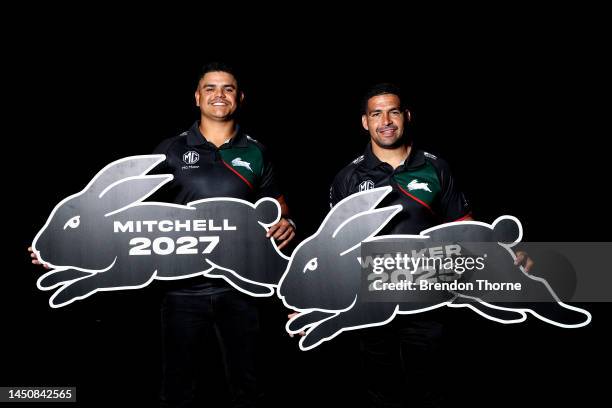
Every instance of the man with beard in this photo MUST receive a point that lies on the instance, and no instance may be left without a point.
(400, 357)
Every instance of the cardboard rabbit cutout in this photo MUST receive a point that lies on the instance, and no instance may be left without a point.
(324, 280)
(106, 238)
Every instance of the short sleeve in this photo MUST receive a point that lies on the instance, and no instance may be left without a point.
(453, 205)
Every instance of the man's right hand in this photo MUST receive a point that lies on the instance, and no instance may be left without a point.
(35, 260)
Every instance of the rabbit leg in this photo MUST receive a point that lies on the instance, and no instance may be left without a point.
(113, 279)
(54, 278)
(303, 320)
(364, 315)
(490, 311)
(559, 314)
(249, 288)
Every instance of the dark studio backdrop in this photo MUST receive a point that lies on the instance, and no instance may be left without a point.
(518, 117)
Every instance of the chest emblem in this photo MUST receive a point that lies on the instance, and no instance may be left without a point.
(239, 162)
(366, 185)
(191, 157)
(415, 185)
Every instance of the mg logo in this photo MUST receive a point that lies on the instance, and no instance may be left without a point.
(366, 185)
(191, 157)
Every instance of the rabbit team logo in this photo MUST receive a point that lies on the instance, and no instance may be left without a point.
(106, 237)
(324, 280)
(415, 185)
(239, 162)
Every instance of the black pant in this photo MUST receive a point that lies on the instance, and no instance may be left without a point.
(402, 363)
(188, 322)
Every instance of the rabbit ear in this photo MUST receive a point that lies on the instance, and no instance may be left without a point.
(353, 205)
(362, 226)
(123, 169)
(131, 190)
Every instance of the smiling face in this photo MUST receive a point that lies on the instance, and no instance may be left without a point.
(384, 119)
(218, 96)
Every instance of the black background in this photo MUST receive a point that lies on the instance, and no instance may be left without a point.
(516, 106)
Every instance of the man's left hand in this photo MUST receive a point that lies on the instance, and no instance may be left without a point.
(523, 259)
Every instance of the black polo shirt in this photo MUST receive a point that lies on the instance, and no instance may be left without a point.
(240, 168)
(423, 185)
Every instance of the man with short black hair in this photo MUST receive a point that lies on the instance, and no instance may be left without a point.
(214, 158)
(400, 357)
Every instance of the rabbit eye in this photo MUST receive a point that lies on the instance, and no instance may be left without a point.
(74, 222)
(311, 265)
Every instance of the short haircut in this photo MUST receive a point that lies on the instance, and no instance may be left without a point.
(220, 66)
(384, 88)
